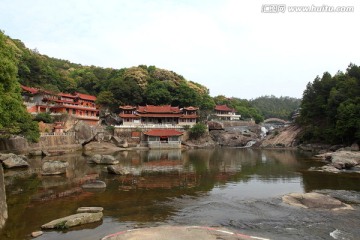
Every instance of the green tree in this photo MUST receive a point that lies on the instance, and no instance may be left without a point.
(14, 119)
(198, 130)
(157, 93)
(44, 117)
(330, 108)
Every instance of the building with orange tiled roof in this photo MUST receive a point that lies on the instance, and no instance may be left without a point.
(151, 114)
(223, 112)
(78, 105)
(163, 138)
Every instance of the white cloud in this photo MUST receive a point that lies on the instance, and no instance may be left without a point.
(229, 46)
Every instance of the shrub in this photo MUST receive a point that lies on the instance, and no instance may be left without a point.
(197, 130)
(44, 117)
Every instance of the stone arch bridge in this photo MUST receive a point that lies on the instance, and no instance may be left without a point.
(275, 120)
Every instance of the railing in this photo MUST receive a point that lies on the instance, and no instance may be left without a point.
(58, 134)
(142, 126)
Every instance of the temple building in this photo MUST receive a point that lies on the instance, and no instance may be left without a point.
(223, 112)
(78, 105)
(163, 138)
(158, 115)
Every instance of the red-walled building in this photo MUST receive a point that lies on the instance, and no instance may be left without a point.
(150, 115)
(78, 105)
(223, 112)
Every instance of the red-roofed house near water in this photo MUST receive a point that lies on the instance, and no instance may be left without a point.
(79, 106)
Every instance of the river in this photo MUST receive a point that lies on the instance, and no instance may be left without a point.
(239, 189)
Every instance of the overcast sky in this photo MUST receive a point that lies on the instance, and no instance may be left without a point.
(230, 46)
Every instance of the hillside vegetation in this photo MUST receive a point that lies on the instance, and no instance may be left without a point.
(138, 85)
(14, 119)
(330, 109)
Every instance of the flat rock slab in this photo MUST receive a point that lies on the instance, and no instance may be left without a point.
(54, 168)
(94, 185)
(73, 220)
(179, 233)
(37, 234)
(89, 209)
(14, 161)
(315, 200)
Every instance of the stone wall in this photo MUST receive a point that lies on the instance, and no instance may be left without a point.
(48, 142)
(3, 205)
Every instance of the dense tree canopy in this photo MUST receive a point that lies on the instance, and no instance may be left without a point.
(274, 107)
(14, 118)
(330, 109)
(136, 86)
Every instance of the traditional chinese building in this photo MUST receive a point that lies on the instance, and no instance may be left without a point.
(223, 112)
(158, 115)
(78, 105)
(163, 138)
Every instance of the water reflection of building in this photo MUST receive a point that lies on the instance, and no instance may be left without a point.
(3, 205)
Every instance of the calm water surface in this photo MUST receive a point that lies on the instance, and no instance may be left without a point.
(239, 189)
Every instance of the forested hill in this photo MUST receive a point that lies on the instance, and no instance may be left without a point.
(330, 109)
(276, 107)
(134, 85)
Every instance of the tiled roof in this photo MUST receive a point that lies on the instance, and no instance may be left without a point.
(191, 108)
(160, 115)
(29, 89)
(163, 132)
(66, 95)
(86, 96)
(223, 108)
(127, 107)
(158, 109)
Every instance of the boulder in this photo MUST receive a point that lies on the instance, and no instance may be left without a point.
(215, 125)
(315, 200)
(54, 167)
(73, 220)
(355, 147)
(14, 161)
(89, 209)
(97, 184)
(119, 170)
(37, 234)
(103, 159)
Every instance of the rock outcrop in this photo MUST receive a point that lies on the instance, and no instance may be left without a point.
(103, 159)
(54, 167)
(232, 138)
(73, 220)
(341, 161)
(315, 200)
(285, 137)
(13, 161)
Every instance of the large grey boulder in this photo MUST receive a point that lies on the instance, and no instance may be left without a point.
(14, 161)
(103, 159)
(54, 167)
(315, 200)
(340, 161)
(73, 220)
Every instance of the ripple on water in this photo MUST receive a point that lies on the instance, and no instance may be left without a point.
(338, 234)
